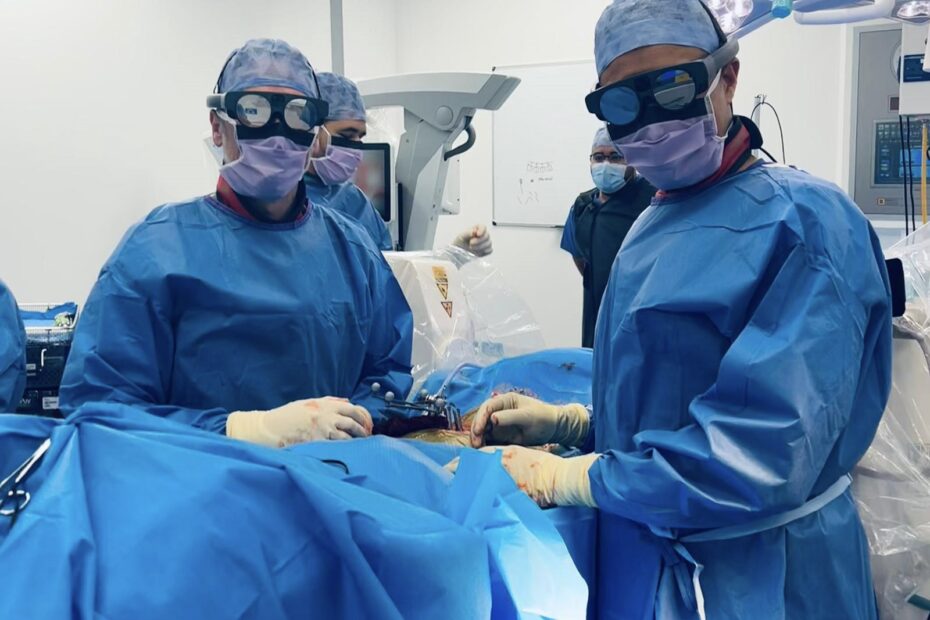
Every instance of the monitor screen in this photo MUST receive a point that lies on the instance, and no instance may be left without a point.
(374, 176)
(915, 163)
(890, 160)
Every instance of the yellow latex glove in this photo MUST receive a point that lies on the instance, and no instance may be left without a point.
(299, 422)
(476, 240)
(548, 479)
(517, 419)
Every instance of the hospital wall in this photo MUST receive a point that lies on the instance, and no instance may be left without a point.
(802, 70)
(109, 114)
(106, 105)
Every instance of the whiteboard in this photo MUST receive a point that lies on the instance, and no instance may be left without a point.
(542, 140)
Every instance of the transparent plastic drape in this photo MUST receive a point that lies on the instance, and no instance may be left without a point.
(892, 482)
(464, 311)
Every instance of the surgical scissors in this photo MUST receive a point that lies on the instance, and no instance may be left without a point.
(20, 497)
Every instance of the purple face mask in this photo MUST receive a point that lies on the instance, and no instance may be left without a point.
(338, 166)
(676, 154)
(267, 169)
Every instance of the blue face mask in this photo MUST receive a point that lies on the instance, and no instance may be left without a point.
(609, 178)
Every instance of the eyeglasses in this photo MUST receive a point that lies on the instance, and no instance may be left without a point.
(342, 141)
(613, 158)
(255, 110)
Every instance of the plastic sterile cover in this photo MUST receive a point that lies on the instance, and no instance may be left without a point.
(464, 312)
(892, 481)
(385, 125)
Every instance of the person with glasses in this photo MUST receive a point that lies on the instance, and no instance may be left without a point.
(599, 221)
(742, 357)
(251, 311)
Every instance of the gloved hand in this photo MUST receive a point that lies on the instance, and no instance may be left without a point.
(476, 240)
(299, 422)
(517, 419)
(548, 479)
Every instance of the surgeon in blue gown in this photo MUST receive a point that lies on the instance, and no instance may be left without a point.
(742, 356)
(249, 311)
(12, 352)
(329, 176)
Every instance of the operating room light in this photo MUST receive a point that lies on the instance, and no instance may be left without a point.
(915, 8)
(731, 13)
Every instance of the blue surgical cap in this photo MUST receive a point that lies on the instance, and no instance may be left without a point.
(627, 25)
(602, 138)
(268, 62)
(345, 102)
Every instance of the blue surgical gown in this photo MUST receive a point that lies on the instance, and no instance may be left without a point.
(12, 352)
(742, 365)
(349, 200)
(200, 312)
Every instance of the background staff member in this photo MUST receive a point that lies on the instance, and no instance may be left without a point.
(599, 222)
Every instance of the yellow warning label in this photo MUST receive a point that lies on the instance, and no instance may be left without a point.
(447, 306)
(442, 282)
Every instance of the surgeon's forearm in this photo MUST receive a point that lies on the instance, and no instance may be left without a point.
(690, 485)
(76, 391)
(211, 420)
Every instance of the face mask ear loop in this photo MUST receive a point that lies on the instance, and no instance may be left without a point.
(235, 135)
(329, 142)
(714, 84)
(710, 105)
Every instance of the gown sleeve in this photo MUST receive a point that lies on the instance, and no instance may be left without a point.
(123, 352)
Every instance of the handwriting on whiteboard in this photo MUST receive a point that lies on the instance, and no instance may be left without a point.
(537, 175)
(540, 167)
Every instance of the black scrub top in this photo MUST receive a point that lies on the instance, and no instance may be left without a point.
(594, 233)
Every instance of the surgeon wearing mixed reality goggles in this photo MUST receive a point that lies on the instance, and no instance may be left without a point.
(600, 220)
(742, 356)
(251, 311)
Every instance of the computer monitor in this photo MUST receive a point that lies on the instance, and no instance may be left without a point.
(893, 164)
(374, 176)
